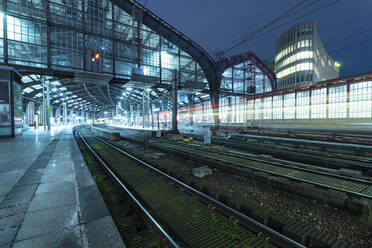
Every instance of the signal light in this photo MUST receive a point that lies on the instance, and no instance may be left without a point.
(96, 56)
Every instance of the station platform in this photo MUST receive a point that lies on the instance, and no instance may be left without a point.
(48, 197)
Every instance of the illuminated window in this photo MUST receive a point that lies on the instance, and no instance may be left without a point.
(302, 105)
(250, 109)
(319, 103)
(277, 107)
(258, 109)
(337, 102)
(289, 106)
(267, 108)
(239, 110)
(223, 109)
(360, 100)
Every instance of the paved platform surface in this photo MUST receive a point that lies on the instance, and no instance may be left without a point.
(48, 197)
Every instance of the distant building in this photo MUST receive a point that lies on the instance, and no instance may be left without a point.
(300, 57)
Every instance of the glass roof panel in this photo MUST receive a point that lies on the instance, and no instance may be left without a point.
(37, 87)
(28, 90)
(26, 79)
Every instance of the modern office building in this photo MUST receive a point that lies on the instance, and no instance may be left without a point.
(300, 57)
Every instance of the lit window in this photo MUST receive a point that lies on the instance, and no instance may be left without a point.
(289, 106)
(267, 108)
(302, 105)
(277, 107)
(319, 103)
(360, 100)
(337, 102)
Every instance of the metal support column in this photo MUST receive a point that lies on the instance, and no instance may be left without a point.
(348, 100)
(174, 101)
(148, 107)
(159, 118)
(190, 99)
(49, 56)
(65, 113)
(327, 102)
(48, 104)
(229, 113)
(130, 114)
(44, 105)
(165, 108)
(143, 109)
(5, 33)
(152, 116)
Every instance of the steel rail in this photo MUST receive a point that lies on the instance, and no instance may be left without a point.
(312, 153)
(281, 240)
(357, 180)
(351, 179)
(166, 235)
(321, 185)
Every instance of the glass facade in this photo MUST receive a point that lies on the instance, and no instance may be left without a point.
(245, 78)
(79, 28)
(360, 100)
(294, 60)
(302, 105)
(278, 107)
(289, 106)
(337, 102)
(301, 58)
(319, 103)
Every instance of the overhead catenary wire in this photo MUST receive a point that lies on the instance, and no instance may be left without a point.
(296, 19)
(289, 14)
(351, 46)
(257, 35)
(264, 27)
(267, 25)
(347, 37)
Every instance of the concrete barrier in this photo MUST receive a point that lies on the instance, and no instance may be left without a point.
(112, 135)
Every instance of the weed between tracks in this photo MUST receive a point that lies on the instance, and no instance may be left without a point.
(191, 221)
(262, 199)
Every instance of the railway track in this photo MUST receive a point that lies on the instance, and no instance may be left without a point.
(342, 191)
(347, 136)
(349, 185)
(185, 216)
(298, 154)
(317, 157)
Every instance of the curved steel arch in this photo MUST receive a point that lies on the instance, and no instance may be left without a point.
(226, 63)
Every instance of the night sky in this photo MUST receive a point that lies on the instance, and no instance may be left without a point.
(214, 23)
